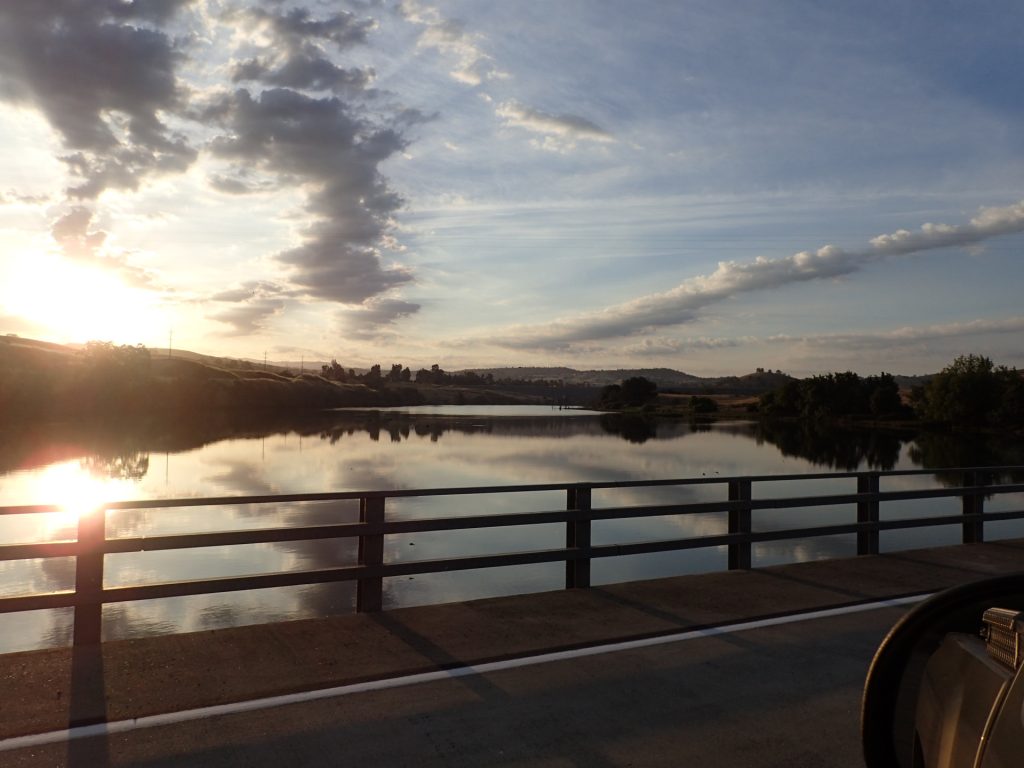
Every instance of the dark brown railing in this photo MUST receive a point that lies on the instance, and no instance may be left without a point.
(973, 485)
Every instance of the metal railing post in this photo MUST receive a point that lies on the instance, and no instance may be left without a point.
(867, 512)
(92, 535)
(577, 536)
(739, 522)
(973, 502)
(370, 592)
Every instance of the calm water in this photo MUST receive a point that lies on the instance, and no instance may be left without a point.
(79, 466)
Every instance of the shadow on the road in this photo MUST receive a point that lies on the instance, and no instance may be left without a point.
(490, 694)
(88, 706)
(817, 584)
(437, 655)
(931, 563)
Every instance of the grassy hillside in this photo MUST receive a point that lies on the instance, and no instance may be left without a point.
(42, 380)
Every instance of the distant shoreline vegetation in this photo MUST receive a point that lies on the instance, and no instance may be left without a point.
(40, 380)
(45, 381)
(971, 393)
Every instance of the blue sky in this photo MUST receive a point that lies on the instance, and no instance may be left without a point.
(709, 186)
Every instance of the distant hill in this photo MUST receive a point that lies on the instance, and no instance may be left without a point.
(214, 367)
(667, 379)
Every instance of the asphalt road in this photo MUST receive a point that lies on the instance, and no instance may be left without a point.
(777, 696)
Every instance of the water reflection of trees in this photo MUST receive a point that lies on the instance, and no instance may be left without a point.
(944, 449)
(841, 449)
(126, 465)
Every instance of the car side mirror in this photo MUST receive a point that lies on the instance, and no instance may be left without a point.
(937, 683)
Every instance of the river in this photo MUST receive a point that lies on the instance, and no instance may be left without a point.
(78, 466)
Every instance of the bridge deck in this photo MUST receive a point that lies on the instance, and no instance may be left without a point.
(46, 690)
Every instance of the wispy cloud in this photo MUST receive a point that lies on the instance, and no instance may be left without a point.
(473, 65)
(79, 240)
(910, 334)
(685, 302)
(559, 132)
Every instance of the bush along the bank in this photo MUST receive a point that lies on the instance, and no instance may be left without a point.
(972, 392)
(631, 393)
(836, 395)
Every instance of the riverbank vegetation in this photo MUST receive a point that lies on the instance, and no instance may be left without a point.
(40, 380)
(971, 393)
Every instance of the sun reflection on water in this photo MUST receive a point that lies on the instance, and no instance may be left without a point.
(76, 492)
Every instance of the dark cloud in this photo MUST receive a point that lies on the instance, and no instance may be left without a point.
(105, 75)
(368, 321)
(297, 27)
(256, 302)
(250, 317)
(249, 290)
(101, 80)
(156, 11)
(314, 73)
(321, 144)
(240, 183)
(71, 231)
(295, 58)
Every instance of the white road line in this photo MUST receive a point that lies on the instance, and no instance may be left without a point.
(172, 718)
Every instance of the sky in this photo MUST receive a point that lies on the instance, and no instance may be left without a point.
(708, 185)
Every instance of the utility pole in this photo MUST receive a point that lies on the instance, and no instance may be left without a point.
(170, 342)
(264, 360)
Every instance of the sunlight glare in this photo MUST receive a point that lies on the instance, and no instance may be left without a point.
(80, 303)
(77, 493)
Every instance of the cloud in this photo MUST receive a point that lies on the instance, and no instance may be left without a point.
(450, 38)
(74, 234)
(297, 27)
(302, 70)
(102, 80)
(13, 197)
(257, 301)
(249, 290)
(294, 57)
(239, 184)
(249, 318)
(670, 346)
(911, 335)
(684, 303)
(71, 231)
(990, 222)
(323, 145)
(369, 320)
(560, 132)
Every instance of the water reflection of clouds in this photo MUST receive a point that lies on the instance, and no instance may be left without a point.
(405, 452)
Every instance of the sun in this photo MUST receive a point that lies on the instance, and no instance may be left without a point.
(78, 302)
(76, 493)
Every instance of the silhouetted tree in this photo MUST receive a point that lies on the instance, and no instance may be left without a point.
(638, 390)
(703, 405)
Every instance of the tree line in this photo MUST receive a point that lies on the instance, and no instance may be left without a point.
(969, 392)
(433, 375)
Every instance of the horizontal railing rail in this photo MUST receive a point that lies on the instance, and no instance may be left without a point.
(92, 543)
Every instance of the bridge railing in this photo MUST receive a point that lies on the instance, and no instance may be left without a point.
(974, 485)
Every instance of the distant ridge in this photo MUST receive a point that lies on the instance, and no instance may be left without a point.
(665, 378)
